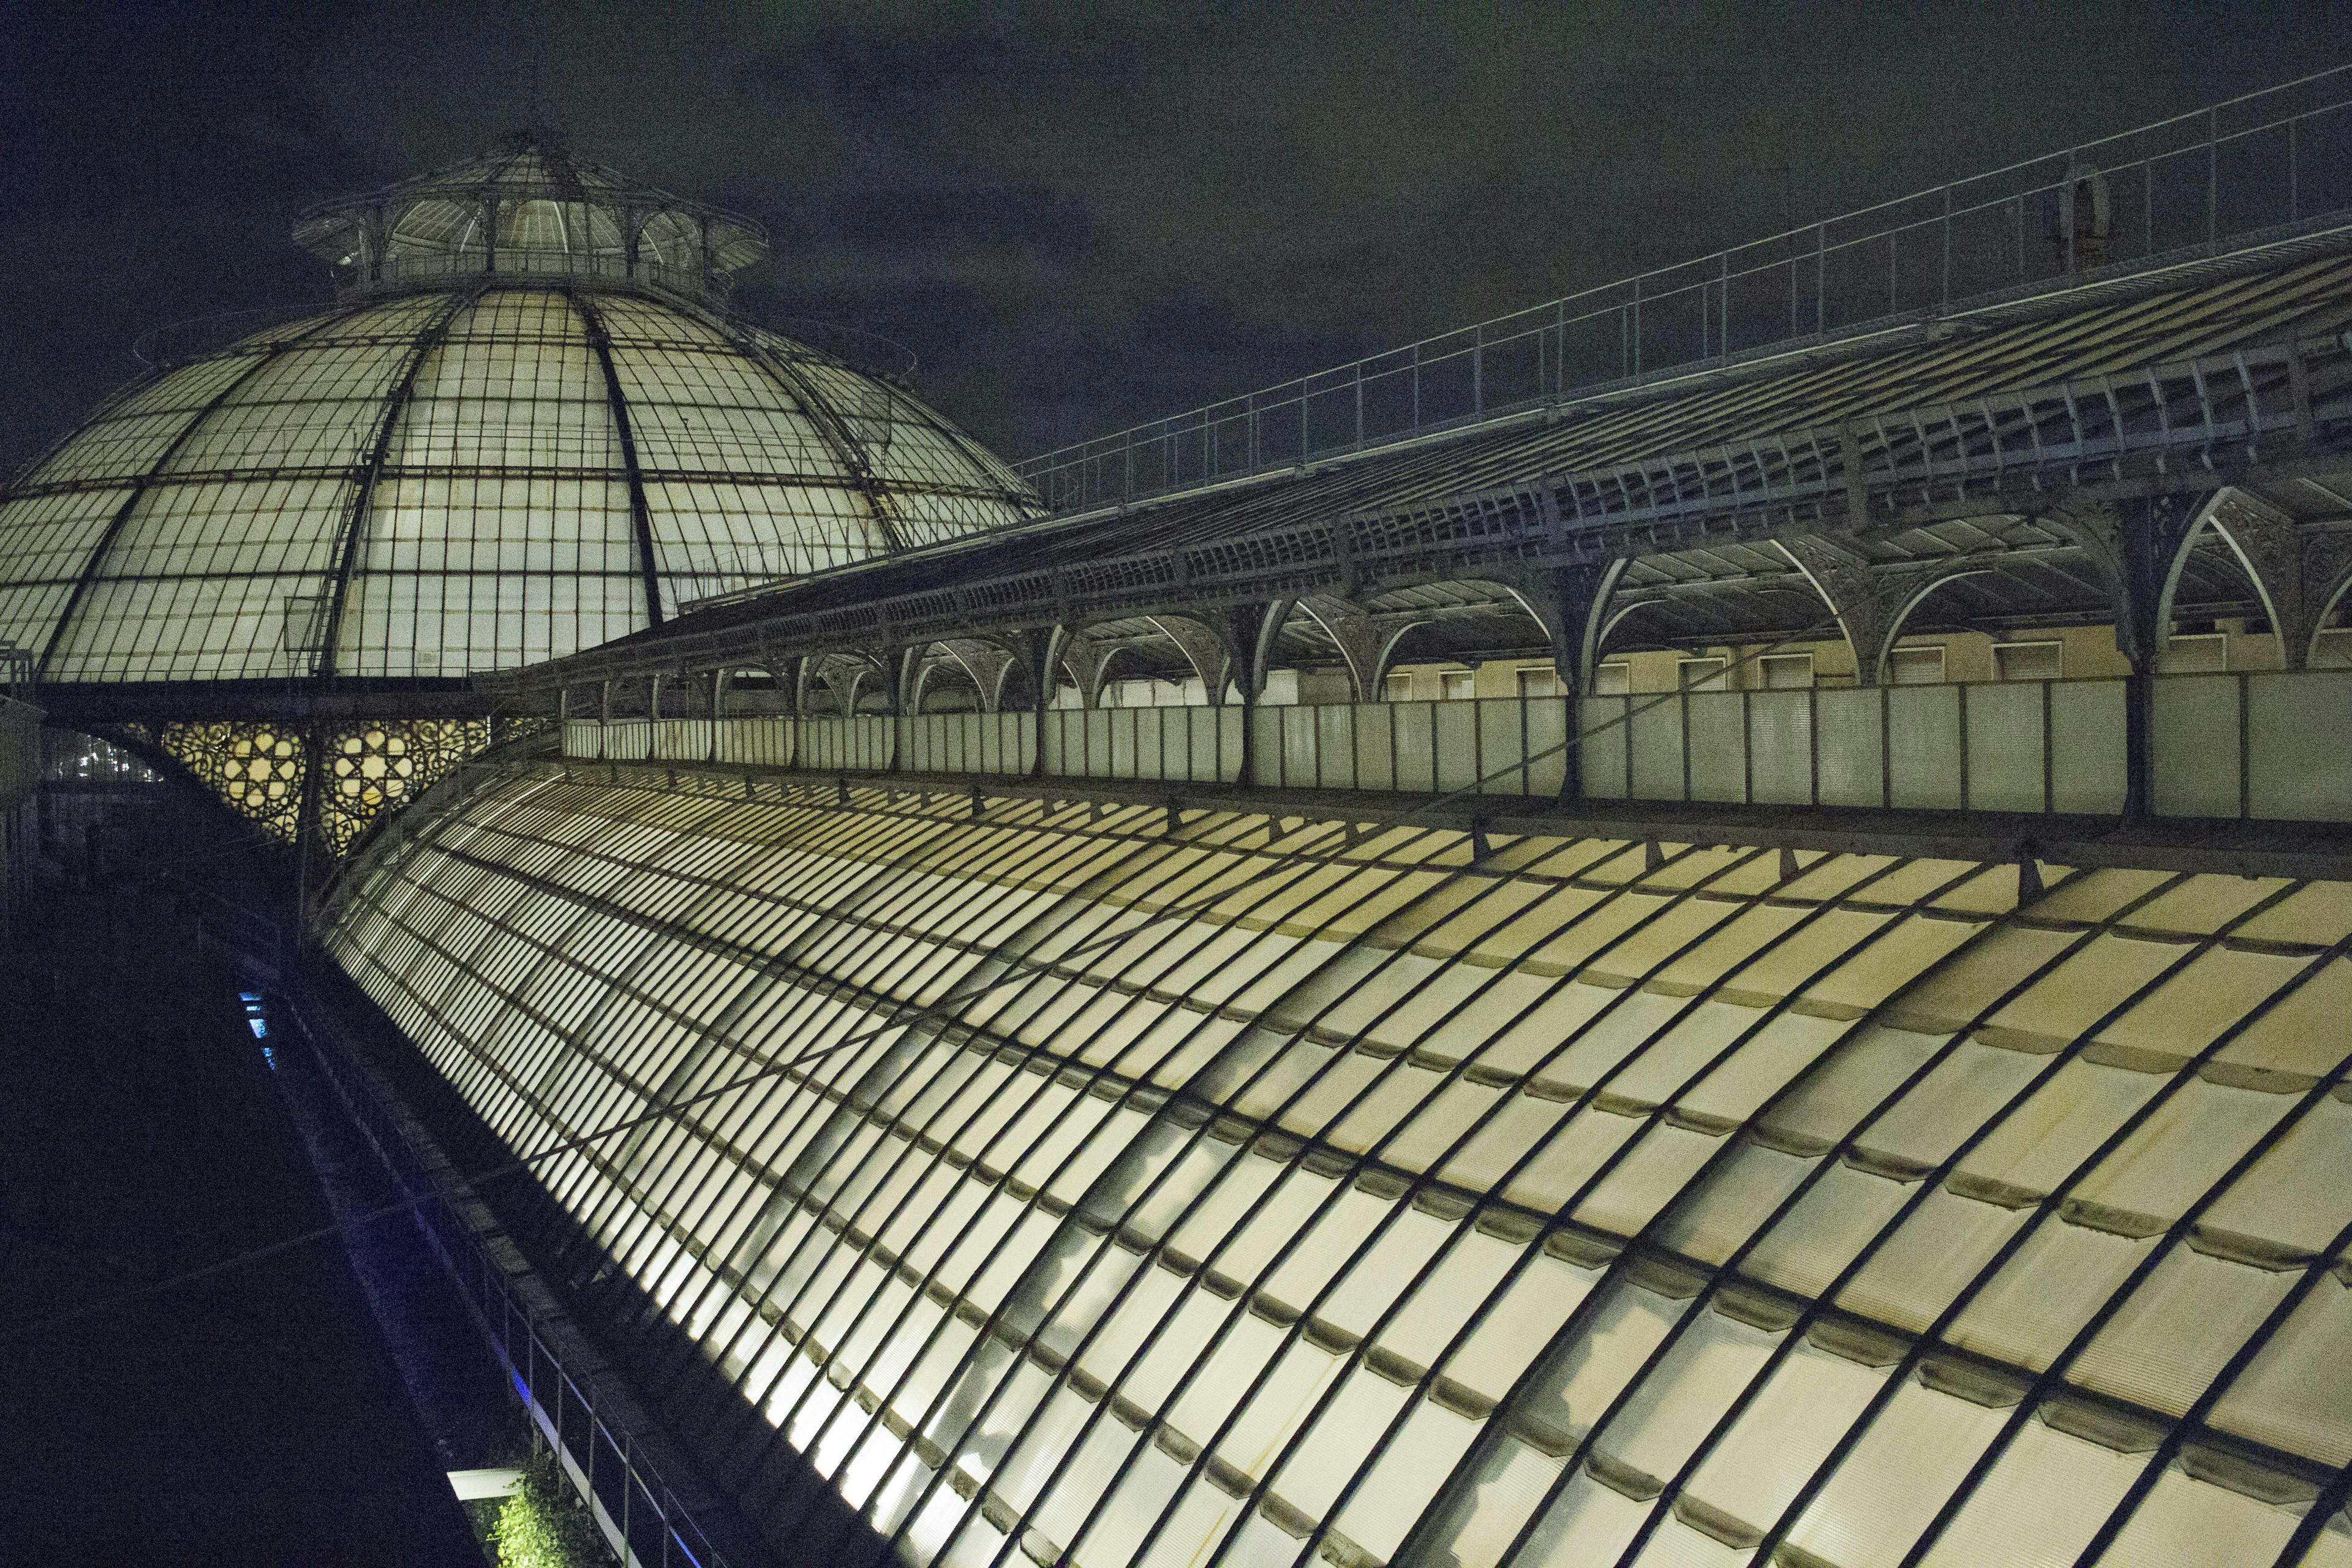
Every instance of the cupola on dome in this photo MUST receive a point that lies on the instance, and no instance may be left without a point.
(526, 428)
(532, 208)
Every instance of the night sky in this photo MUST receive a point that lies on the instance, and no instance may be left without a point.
(1076, 217)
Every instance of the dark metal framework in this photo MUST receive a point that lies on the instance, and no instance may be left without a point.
(2170, 456)
(2199, 187)
(1335, 1168)
(2016, 458)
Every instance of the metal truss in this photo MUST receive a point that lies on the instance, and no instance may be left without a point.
(2184, 429)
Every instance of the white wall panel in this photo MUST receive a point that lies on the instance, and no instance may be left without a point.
(1654, 732)
(1923, 746)
(1780, 747)
(682, 739)
(1601, 746)
(765, 741)
(1546, 746)
(862, 743)
(1415, 724)
(1502, 745)
(1851, 743)
(2007, 750)
(2193, 730)
(629, 739)
(1718, 745)
(1335, 744)
(2086, 746)
(1267, 755)
(2299, 745)
(1123, 722)
(1454, 741)
(1375, 738)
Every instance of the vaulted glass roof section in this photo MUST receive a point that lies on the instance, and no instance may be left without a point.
(1071, 1188)
(467, 470)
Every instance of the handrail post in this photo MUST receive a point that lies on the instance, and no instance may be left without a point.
(2068, 216)
(1559, 349)
(2212, 176)
(1637, 326)
(1945, 302)
(1821, 278)
(1722, 305)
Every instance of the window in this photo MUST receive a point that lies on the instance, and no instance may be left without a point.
(1703, 675)
(1460, 685)
(1916, 666)
(1538, 681)
(2333, 650)
(306, 622)
(1787, 671)
(2207, 651)
(1400, 687)
(1614, 678)
(2028, 661)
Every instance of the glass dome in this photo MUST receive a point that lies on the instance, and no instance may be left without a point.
(495, 450)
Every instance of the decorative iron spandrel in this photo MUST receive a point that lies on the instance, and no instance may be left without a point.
(381, 765)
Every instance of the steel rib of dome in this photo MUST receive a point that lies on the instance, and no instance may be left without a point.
(1071, 1189)
(426, 484)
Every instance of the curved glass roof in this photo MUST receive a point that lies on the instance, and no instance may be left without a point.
(1064, 1188)
(488, 472)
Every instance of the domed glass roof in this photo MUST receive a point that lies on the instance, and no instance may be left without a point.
(501, 455)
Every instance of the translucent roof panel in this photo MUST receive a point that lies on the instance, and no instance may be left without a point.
(461, 479)
(1066, 1186)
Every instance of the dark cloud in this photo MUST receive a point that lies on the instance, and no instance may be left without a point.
(1076, 217)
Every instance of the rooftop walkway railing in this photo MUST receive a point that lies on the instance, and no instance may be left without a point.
(2225, 178)
(555, 1373)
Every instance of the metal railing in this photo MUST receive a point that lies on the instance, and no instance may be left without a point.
(640, 1515)
(411, 268)
(2227, 177)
